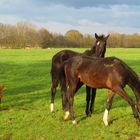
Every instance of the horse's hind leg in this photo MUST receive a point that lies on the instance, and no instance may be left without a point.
(108, 106)
(123, 94)
(53, 92)
(92, 100)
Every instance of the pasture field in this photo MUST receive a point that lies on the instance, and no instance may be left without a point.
(25, 109)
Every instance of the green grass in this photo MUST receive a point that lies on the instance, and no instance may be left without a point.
(25, 114)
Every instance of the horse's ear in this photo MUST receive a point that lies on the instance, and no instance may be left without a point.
(107, 37)
(96, 36)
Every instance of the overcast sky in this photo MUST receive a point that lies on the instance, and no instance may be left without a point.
(87, 16)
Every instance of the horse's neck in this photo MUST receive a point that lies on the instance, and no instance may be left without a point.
(90, 52)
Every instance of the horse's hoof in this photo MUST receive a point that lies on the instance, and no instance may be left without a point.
(105, 123)
(74, 122)
(53, 115)
(105, 118)
(52, 107)
(66, 116)
(89, 115)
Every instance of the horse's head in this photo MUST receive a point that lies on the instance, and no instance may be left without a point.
(100, 45)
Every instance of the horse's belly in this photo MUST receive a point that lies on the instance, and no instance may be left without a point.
(95, 82)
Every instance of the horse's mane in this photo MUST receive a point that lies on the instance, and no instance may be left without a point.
(101, 36)
(91, 51)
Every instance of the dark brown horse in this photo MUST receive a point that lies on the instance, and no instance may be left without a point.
(111, 73)
(97, 50)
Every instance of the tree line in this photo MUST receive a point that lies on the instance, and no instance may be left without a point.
(26, 35)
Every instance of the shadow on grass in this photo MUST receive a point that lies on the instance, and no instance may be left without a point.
(117, 118)
(25, 83)
(25, 78)
(84, 117)
(24, 102)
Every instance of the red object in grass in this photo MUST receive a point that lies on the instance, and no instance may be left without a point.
(1, 94)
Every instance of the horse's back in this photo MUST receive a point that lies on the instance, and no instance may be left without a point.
(64, 54)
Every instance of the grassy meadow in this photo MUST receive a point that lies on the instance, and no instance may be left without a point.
(25, 108)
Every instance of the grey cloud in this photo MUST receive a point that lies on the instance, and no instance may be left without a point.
(87, 3)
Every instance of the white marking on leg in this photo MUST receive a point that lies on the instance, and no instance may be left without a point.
(74, 122)
(67, 113)
(105, 118)
(52, 107)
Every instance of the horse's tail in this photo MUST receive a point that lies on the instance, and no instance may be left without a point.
(62, 77)
(52, 71)
(56, 65)
(55, 72)
(134, 83)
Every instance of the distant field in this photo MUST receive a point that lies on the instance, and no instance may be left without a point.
(25, 114)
